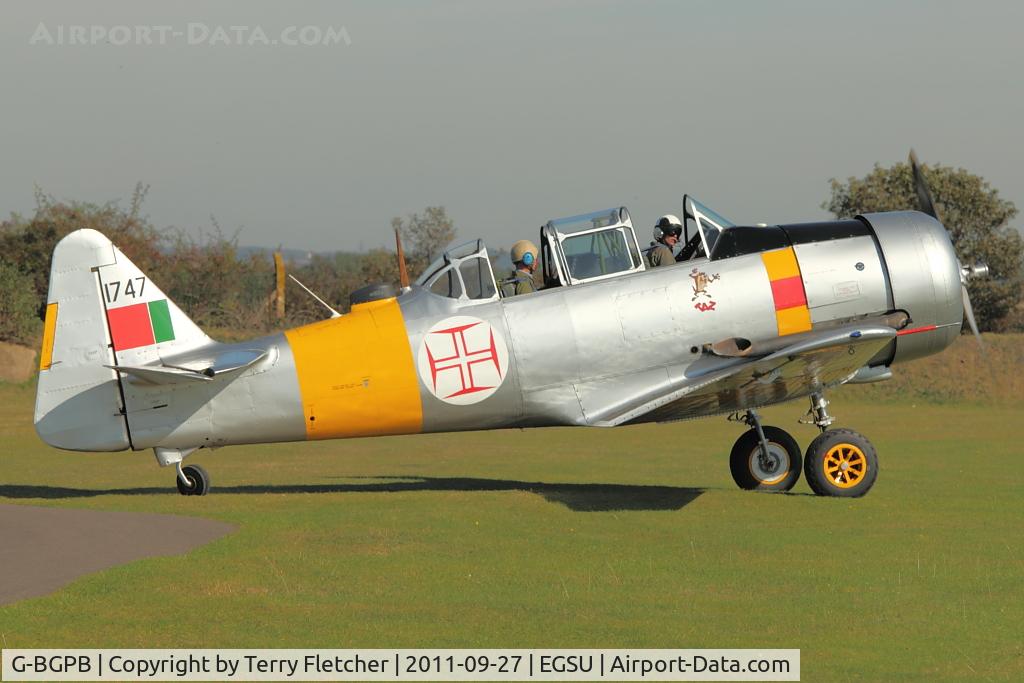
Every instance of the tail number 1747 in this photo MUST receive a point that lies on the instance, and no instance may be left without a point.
(132, 288)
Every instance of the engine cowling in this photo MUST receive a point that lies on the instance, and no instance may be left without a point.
(923, 279)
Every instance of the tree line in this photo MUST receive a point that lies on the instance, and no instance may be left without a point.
(230, 293)
(225, 291)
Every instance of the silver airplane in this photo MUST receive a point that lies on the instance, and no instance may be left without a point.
(747, 317)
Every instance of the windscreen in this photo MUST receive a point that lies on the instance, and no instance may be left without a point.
(597, 253)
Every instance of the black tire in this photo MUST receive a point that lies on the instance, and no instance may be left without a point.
(841, 463)
(199, 481)
(745, 464)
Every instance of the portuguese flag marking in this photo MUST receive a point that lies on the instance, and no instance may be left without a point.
(140, 325)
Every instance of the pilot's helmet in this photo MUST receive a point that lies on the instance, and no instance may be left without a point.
(667, 225)
(524, 251)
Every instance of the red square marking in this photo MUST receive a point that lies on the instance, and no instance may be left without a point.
(130, 327)
(788, 292)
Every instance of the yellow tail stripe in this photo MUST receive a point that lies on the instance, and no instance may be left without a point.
(49, 333)
(356, 374)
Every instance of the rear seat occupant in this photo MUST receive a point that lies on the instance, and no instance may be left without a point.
(666, 234)
(524, 256)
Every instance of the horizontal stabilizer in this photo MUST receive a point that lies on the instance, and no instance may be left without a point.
(160, 375)
(193, 367)
(215, 363)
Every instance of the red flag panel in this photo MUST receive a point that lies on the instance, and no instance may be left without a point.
(130, 327)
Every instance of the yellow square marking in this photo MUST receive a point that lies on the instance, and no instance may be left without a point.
(780, 263)
(793, 320)
(49, 333)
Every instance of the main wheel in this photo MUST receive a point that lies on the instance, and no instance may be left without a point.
(841, 462)
(199, 481)
(779, 473)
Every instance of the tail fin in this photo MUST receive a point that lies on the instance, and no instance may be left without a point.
(101, 311)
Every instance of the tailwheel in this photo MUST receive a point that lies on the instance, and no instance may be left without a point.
(779, 471)
(193, 481)
(841, 462)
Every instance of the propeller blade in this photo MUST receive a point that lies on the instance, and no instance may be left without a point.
(403, 273)
(969, 314)
(924, 196)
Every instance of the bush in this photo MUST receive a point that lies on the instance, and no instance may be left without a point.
(973, 212)
(19, 306)
(206, 277)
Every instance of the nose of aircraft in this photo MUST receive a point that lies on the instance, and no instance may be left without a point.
(924, 280)
(927, 204)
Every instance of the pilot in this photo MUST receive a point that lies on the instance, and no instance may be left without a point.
(524, 256)
(666, 234)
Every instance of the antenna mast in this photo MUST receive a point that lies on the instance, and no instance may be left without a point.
(334, 313)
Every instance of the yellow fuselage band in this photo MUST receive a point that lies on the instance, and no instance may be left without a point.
(356, 374)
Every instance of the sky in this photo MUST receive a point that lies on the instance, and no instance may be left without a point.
(506, 113)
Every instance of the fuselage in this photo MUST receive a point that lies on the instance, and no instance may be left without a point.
(428, 363)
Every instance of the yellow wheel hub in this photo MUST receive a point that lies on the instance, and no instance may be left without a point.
(845, 465)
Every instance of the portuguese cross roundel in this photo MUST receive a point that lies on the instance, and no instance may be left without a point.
(462, 360)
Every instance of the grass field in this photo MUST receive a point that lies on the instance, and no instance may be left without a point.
(634, 537)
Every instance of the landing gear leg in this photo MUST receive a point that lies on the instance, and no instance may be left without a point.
(839, 462)
(754, 420)
(764, 458)
(192, 480)
(819, 411)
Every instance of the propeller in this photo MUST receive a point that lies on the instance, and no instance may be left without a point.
(403, 273)
(924, 195)
(924, 198)
(969, 313)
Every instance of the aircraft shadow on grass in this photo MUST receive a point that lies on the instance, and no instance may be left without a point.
(577, 497)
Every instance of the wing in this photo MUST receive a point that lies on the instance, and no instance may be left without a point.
(817, 361)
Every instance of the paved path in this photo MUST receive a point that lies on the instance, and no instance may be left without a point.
(43, 549)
